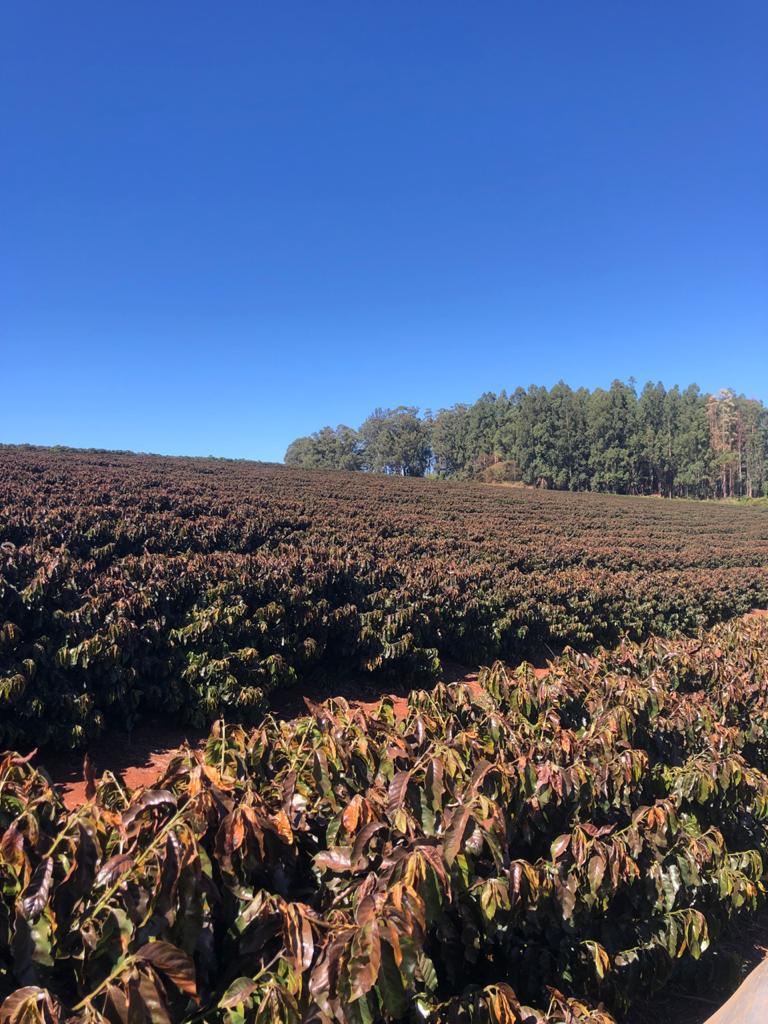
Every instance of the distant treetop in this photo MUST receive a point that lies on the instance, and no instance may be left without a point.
(671, 442)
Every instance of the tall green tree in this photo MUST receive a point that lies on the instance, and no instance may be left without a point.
(694, 459)
(649, 442)
(449, 430)
(482, 423)
(668, 442)
(396, 441)
(328, 448)
(612, 428)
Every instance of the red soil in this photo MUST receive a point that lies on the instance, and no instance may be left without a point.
(138, 758)
(141, 757)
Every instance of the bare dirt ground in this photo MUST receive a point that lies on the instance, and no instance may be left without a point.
(139, 757)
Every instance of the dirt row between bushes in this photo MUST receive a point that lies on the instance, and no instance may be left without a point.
(138, 758)
(141, 756)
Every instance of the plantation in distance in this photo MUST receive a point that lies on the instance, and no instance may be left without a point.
(540, 846)
(137, 586)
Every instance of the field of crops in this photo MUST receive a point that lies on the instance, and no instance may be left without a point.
(524, 849)
(138, 587)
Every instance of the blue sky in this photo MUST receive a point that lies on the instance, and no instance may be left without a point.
(226, 225)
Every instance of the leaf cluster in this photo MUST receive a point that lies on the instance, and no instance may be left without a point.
(527, 849)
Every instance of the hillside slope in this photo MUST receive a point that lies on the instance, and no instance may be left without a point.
(138, 586)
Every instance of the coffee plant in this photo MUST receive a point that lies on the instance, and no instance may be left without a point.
(530, 848)
(136, 587)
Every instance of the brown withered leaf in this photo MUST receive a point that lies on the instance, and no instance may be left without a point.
(237, 993)
(455, 833)
(322, 776)
(398, 789)
(560, 845)
(365, 960)
(111, 869)
(35, 896)
(288, 789)
(86, 858)
(89, 775)
(361, 841)
(324, 980)
(29, 1004)
(17, 760)
(566, 894)
(299, 936)
(170, 873)
(335, 858)
(281, 824)
(595, 871)
(434, 783)
(173, 963)
(147, 1003)
(12, 846)
(579, 847)
(116, 1003)
(150, 799)
(351, 814)
(366, 908)
(393, 937)
(594, 831)
(481, 770)
(231, 835)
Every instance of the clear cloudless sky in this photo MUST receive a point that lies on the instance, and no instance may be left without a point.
(223, 225)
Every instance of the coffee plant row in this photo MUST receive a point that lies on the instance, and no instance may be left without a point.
(524, 849)
(137, 587)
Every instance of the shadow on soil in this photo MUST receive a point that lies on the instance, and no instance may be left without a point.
(138, 757)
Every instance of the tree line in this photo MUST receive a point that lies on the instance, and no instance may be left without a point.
(670, 442)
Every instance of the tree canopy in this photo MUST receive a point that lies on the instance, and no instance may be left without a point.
(671, 442)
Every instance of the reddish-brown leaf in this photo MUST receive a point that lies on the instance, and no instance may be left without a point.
(365, 961)
(335, 858)
(30, 1005)
(361, 841)
(111, 869)
(35, 896)
(455, 834)
(398, 789)
(173, 963)
(89, 775)
(299, 934)
(559, 846)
